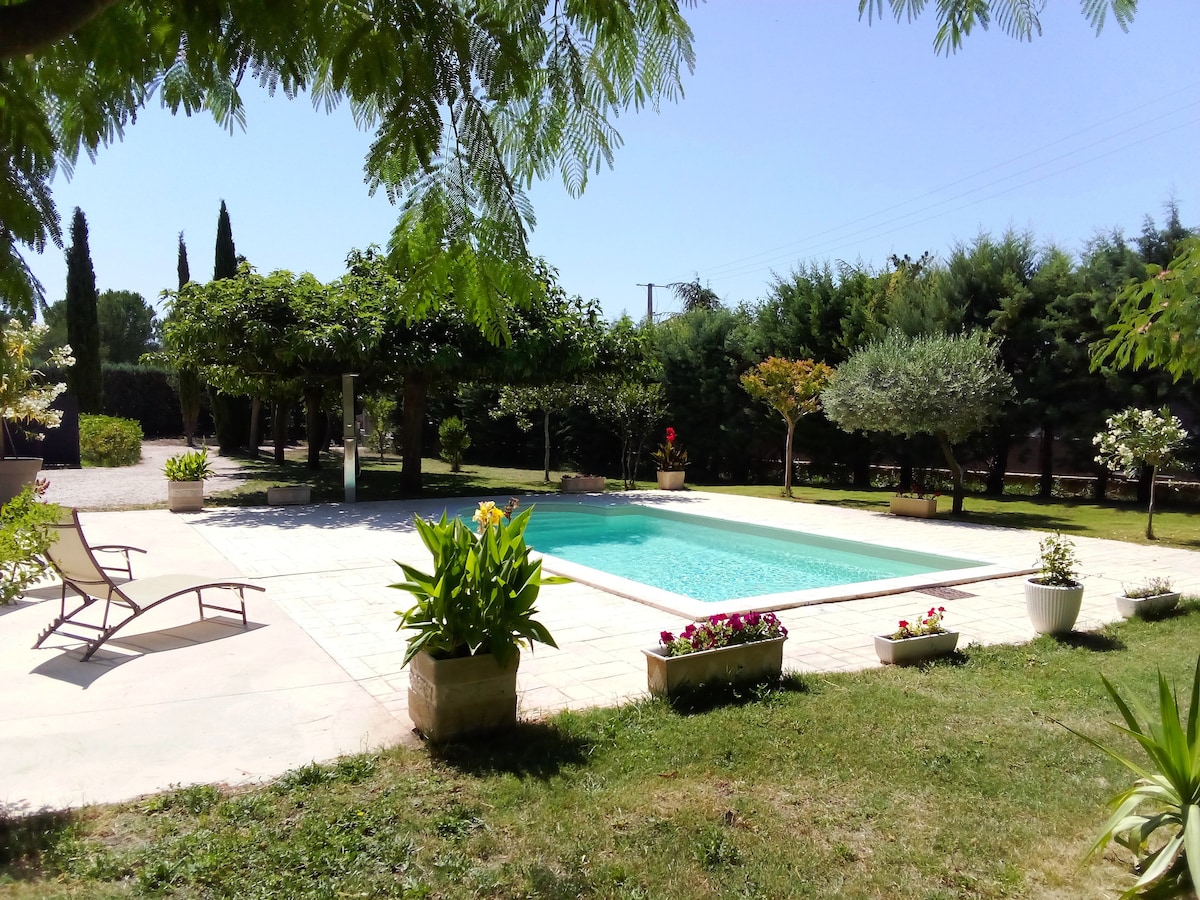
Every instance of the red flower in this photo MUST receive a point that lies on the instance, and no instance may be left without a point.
(903, 623)
(670, 435)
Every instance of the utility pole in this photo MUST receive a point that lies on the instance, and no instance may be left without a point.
(649, 301)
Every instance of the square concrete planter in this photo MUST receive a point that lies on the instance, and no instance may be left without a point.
(582, 484)
(185, 496)
(451, 698)
(1147, 607)
(289, 495)
(914, 650)
(671, 481)
(921, 508)
(668, 676)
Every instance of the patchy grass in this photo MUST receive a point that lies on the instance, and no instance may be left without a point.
(951, 781)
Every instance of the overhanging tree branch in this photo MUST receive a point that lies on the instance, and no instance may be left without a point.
(35, 24)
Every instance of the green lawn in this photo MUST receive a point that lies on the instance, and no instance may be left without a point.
(1123, 521)
(948, 782)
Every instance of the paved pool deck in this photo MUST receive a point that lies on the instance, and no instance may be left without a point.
(319, 672)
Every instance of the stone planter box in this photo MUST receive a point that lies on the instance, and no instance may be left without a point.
(668, 676)
(914, 506)
(1052, 609)
(289, 495)
(913, 650)
(582, 484)
(671, 481)
(16, 473)
(1147, 607)
(185, 496)
(451, 698)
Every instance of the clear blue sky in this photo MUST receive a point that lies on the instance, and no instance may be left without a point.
(805, 135)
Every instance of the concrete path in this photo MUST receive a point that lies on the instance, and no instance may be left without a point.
(319, 672)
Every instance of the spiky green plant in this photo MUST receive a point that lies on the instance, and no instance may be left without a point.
(1164, 835)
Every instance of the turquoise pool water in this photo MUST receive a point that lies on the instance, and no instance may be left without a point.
(711, 559)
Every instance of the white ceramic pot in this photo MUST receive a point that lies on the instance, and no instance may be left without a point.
(913, 650)
(450, 698)
(667, 676)
(1052, 608)
(1147, 607)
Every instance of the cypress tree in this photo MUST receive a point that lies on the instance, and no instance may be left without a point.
(225, 262)
(83, 320)
(181, 265)
(232, 414)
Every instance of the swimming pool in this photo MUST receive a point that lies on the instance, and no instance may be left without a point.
(697, 564)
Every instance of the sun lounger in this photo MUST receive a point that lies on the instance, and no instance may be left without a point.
(81, 572)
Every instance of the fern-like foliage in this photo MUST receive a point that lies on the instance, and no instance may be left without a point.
(1018, 18)
(468, 101)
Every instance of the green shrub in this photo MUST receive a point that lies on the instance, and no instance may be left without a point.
(24, 536)
(455, 440)
(109, 441)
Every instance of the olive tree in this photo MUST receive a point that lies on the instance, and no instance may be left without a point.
(947, 386)
(791, 387)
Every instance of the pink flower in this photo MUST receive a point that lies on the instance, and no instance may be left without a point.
(666, 637)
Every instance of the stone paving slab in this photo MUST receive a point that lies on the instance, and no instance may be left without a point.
(322, 672)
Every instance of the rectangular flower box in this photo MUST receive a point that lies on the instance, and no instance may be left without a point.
(289, 495)
(922, 508)
(582, 484)
(667, 676)
(1147, 607)
(913, 650)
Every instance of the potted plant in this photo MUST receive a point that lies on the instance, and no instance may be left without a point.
(582, 484)
(185, 480)
(1053, 597)
(472, 614)
(736, 648)
(25, 534)
(916, 641)
(672, 460)
(25, 400)
(918, 503)
(1152, 598)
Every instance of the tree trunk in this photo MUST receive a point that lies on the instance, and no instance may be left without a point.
(546, 432)
(906, 471)
(255, 426)
(189, 403)
(1046, 487)
(1145, 479)
(999, 466)
(1100, 485)
(1150, 516)
(956, 472)
(312, 424)
(787, 460)
(416, 390)
(279, 429)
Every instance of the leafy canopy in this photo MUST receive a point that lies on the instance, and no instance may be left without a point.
(791, 387)
(469, 103)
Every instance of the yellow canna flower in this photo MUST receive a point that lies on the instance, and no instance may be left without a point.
(487, 515)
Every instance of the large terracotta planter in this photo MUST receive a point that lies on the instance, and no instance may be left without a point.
(913, 650)
(450, 698)
(1052, 608)
(671, 481)
(1147, 607)
(582, 484)
(16, 473)
(185, 496)
(921, 508)
(667, 676)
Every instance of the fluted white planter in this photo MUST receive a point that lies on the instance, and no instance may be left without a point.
(1052, 608)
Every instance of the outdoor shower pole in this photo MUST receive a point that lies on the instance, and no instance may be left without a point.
(349, 437)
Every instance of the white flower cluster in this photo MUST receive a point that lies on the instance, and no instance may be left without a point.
(24, 398)
(1136, 437)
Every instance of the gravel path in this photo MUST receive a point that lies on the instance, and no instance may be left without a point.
(137, 486)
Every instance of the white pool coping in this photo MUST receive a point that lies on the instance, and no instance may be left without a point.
(689, 607)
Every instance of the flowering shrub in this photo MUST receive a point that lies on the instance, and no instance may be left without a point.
(670, 456)
(930, 623)
(1140, 437)
(25, 398)
(1151, 587)
(721, 630)
(919, 493)
(1060, 566)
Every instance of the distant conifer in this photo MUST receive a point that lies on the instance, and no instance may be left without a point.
(83, 320)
